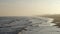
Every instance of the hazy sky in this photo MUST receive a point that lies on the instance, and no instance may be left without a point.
(29, 7)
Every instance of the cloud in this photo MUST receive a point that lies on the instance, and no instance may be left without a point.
(4, 1)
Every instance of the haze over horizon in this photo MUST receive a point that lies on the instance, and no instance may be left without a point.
(29, 7)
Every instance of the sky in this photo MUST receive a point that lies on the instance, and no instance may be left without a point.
(29, 7)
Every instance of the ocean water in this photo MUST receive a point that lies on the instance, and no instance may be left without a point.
(26, 25)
